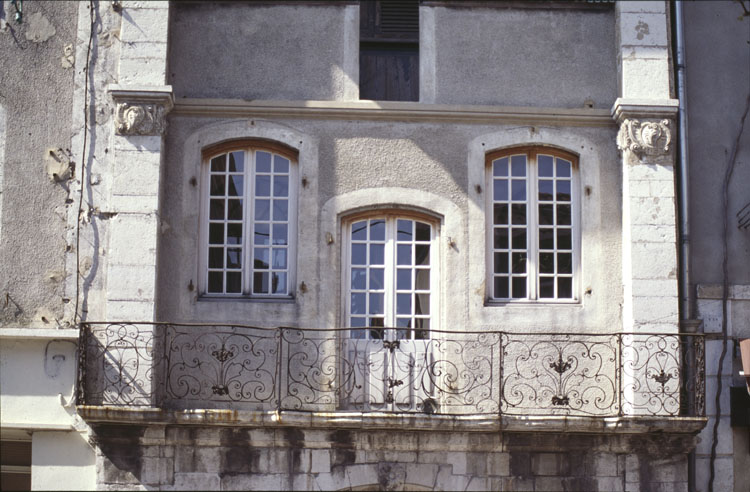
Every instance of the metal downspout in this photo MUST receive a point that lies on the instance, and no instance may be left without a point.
(687, 301)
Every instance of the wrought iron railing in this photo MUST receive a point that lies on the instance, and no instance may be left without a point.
(188, 366)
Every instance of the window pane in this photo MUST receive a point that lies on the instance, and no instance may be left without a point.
(519, 287)
(422, 277)
(234, 258)
(218, 164)
(237, 162)
(234, 282)
(279, 258)
(519, 263)
(563, 190)
(359, 305)
(281, 186)
(359, 254)
(403, 304)
(234, 211)
(261, 258)
(215, 257)
(377, 278)
(501, 238)
(563, 214)
(546, 287)
(501, 288)
(278, 283)
(501, 262)
(404, 230)
(545, 165)
(564, 263)
(565, 288)
(359, 278)
(421, 303)
(518, 188)
(377, 254)
(262, 162)
(518, 213)
(546, 238)
(545, 189)
(357, 322)
(546, 215)
(376, 334)
(262, 209)
(359, 231)
(280, 234)
(377, 230)
(403, 254)
(280, 209)
(234, 233)
(216, 211)
(376, 304)
(519, 238)
(236, 183)
(423, 327)
(500, 213)
(403, 279)
(215, 282)
(518, 165)
(422, 254)
(564, 239)
(563, 168)
(547, 262)
(500, 192)
(423, 232)
(500, 167)
(280, 164)
(260, 283)
(261, 234)
(218, 184)
(216, 234)
(262, 185)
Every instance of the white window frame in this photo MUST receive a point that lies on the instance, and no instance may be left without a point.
(532, 225)
(249, 147)
(391, 217)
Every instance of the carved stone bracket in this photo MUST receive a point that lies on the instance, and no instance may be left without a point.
(645, 138)
(646, 129)
(141, 110)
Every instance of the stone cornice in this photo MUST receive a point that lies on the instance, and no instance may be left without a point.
(393, 111)
(141, 110)
(624, 109)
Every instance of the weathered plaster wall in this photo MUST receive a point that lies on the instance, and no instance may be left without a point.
(36, 77)
(393, 160)
(525, 57)
(235, 50)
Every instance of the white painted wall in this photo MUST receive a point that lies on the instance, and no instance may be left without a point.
(62, 461)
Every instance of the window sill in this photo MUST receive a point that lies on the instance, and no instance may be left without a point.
(244, 299)
(525, 303)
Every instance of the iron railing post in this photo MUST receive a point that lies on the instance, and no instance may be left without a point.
(81, 373)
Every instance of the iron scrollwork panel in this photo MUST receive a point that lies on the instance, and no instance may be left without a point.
(652, 373)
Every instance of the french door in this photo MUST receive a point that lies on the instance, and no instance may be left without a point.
(390, 282)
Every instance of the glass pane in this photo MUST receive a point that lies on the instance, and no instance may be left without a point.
(281, 186)
(234, 282)
(403, 304)
(421, 303)
(376, 278)
(216, 233)
(500, 167)
(261, 234)
(280, 210)
(237, 162)
(547, 262)
(563, 168)
(518, 188)
(404, 230)
(215, 257)
(260, 283)
(423, 232)
(280, 164)
(357, 322)
(565, 288)
(280, 234)
(262, 185)
(359, 231)
(518, 213)
(377, 230)
(501, 238)
(564, 239)
(422, 254)
(235, 185)
(563, 214)
(359, 278)
(519, 287)
(403, 279)
(546, 287)
(261, 258)
(422, 279)
(215, 282)
(262, 209)
(518, 165)
(545, 189)
(234, 211)
(403, 334)
(279, 258)
(546, 213)
(518, 261)
(563, 191)
(500, 191)
(376, 334)
(546, 238)
(501, 262)
(564, 263)
(376, 304)
(262, 162)
(403, 254)
(359, 305)
(234, 233)
(423, 329)
(501, 288)
(218, 184)
(359, 254)
(278, 283)
(377, 254)
(216, 210)
(519, 238)
(234, 258)
(218, 164)
(500, 213)
(545, 165)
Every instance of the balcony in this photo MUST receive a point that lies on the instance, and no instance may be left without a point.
(200, 373)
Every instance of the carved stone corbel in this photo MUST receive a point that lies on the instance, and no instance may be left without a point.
(645, 138)
(141, 111)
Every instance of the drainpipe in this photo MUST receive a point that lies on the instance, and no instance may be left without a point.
(687, 296)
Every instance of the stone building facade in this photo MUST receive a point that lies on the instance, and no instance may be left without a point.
(251, 276)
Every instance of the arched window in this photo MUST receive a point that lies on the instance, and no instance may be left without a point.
(532, 219)
(248, 220)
